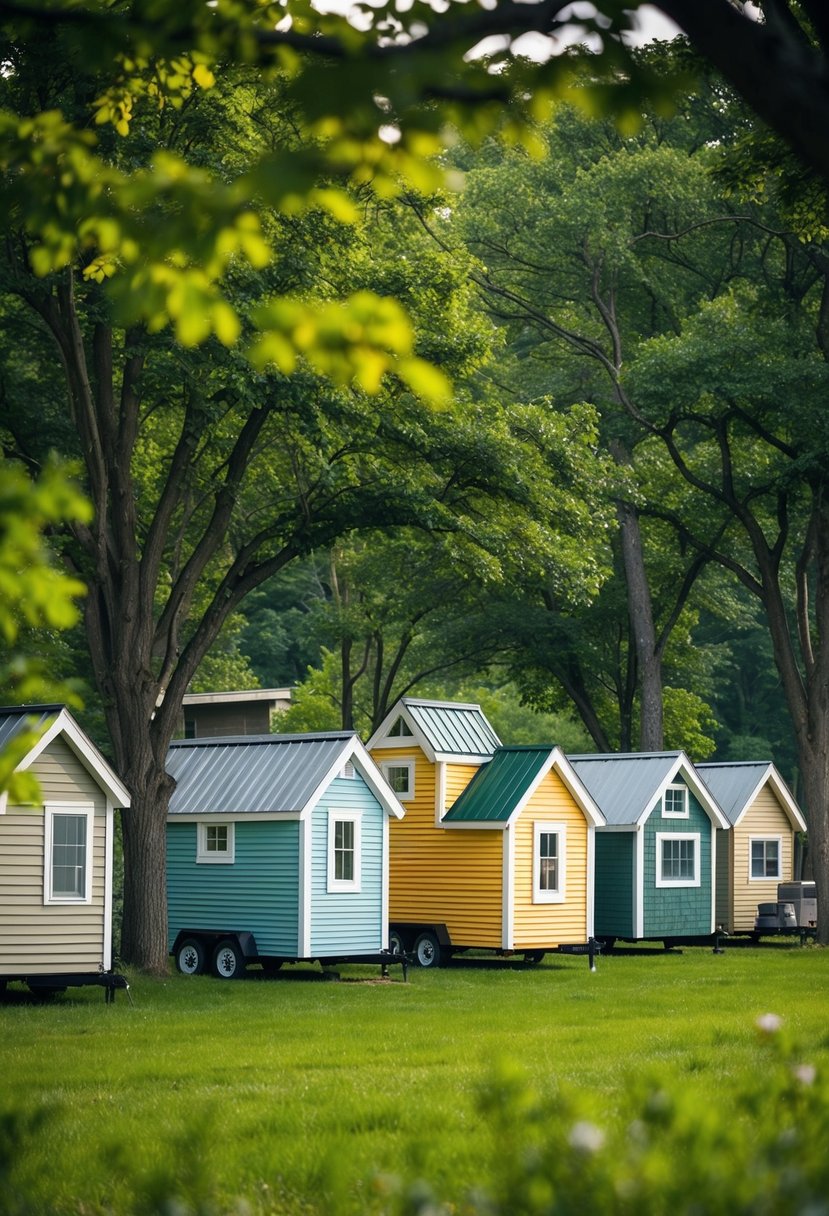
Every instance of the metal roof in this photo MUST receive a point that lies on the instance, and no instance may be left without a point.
(452, 728)
(498, 786)
(14, 718)
(252, 773)
(625, 785)
(735, 784)
(49, 722)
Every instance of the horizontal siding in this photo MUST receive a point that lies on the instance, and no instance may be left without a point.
(458, 777)
(764, 818)
(537, 924)
(443, 875)
(38, 938)
(678, 911)
(614, 886)
(257, 893)
(348, 922)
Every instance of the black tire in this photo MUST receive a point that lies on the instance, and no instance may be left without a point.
(608, 944)
(191, 956)
(228, 960)
(396, 943)
(427, 950)
(271, 965)
(534, 957)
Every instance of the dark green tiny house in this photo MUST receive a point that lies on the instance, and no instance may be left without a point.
(655, 860)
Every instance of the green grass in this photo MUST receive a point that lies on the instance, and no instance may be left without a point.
(293, 1092)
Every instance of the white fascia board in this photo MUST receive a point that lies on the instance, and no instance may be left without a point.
(373, 777)
(416, 739)
(86, 751)
(682, 765)
(456, 758)
(783, 794)
(557, 760)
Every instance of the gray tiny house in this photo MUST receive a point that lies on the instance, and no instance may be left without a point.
(277, 851)
(56, 856)
(655, 857)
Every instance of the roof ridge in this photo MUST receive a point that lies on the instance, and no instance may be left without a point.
(246, 740)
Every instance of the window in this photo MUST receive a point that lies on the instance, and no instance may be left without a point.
(344, 851)
(549, 857)
(189, 728)
(400, 776)
(675, 802)
(765, 857)
(216, 843)
(67, 873)
(400, 728)
(677, 860)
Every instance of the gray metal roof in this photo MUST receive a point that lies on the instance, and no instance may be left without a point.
(733, 784)
(624, 785)
(251, 773)
(452, 728)
(14, 718)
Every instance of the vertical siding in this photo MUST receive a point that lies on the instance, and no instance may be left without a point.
(38, 938)
(348, 922)
(765, 817)
(541, 924)
(259, 892)
(450, 876)
(678, 911)
(723, 842)
(614, 888)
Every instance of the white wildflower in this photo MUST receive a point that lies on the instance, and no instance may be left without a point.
(586, 1137)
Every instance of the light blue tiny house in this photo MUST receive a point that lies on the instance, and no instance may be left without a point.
(277, 851)
(655, 857)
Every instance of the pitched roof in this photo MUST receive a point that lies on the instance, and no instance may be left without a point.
(444, 729)
(50, 722)
(266, 774)
(501, 786)
(735, 785)
(627, 786)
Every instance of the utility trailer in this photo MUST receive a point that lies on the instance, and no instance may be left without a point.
(431, 945)
(226, 954)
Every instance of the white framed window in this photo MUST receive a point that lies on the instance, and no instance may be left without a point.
(400, 775)
(67, 870)
(216, 844)
(400, 729)
(549, 862)
(344, 850)
(677, 859)
(675, 802)
(765, 857)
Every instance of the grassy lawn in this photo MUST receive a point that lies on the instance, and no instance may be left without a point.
(293, 1091)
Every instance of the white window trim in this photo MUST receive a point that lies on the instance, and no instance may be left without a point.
(342, 884)
(550, 897)
(678, 882)
(386, 765)
(212, 858)
(766, 877)
(54, 809)
(685, 812)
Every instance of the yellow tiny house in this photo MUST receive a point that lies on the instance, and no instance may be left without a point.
(757, 853)
(495, 850)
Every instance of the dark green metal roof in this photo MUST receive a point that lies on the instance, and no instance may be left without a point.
(498, 786)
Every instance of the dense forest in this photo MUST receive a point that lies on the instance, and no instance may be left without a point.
(562, 450)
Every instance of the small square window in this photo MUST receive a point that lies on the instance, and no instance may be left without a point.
(400, 776)
(675, 802)
(765, 858)
(216, 843)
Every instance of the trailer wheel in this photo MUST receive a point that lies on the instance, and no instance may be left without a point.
(191, 956)
(427, 950)
(396, 945)
(228, 960)
(534, 957)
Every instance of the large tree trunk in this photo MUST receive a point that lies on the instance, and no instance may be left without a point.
(144, 927)
(640, 608)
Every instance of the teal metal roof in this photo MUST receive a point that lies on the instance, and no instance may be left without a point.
(452, 728)
(498, 786)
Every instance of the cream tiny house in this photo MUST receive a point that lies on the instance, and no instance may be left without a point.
(56, 857)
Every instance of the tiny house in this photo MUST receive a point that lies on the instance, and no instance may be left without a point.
(56, 856)
(655, 856)
(757, 853)
(496, 849)
(277, 851)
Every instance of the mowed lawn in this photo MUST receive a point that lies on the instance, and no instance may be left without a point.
(294, 1092)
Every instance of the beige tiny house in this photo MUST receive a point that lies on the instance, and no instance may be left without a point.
(757, 853)
(56, 856)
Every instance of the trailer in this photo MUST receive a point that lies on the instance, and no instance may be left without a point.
(430, 944)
